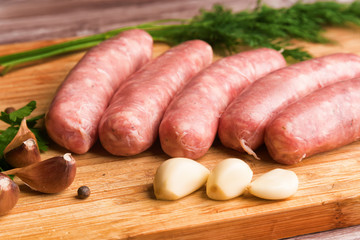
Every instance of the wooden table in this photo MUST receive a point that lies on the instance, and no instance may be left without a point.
(24, 21)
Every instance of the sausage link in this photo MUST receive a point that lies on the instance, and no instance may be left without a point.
(75, 112)
(323, 120)
(190, 123)
(242, 125)
(130, 124)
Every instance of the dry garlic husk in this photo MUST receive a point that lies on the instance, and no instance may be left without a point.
(228, 179)
(275, 185)
(9, 194)
(23, 150)
(49, 176)
(178, 177)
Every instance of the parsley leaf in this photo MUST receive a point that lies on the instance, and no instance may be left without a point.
(15, 117)
(14, 120)
(6, 137)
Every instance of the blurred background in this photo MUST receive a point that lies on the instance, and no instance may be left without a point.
(31, 20)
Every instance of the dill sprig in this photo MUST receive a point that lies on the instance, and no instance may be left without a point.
(225, 30)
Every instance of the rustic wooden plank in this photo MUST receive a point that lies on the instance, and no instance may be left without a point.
(350, 233)
(40, 19)
(122, 204)
(22, 21)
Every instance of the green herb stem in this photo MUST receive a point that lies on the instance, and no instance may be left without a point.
(46, 53)
(224, 30)
(12, 60)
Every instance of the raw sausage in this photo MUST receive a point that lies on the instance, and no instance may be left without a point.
(243, 123)
(130, 124)
(75, 112)
(190, 123)
(323, 120)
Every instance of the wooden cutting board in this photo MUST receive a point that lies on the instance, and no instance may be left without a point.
(122, 203)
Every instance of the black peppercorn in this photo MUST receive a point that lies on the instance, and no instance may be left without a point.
(9, 110)
(83, 192)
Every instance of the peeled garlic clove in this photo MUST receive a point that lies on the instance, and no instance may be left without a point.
(228, 179)
(23, 150)
(49, 176)
(178, 177)
(275, 185)
(9, 194)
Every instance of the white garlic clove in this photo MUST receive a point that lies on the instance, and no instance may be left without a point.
(275, 185)
(229, 179)
(177, 177)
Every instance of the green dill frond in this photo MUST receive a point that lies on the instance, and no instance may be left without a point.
(226, 31)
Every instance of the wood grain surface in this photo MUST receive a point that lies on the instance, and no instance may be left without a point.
(49, 19)
(122, 203)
